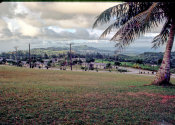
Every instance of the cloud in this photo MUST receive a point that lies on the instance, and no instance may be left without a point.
(3, 25)
(17, 25)
(6, 32)
(75, 22)
(7, 9)
(68, 8)
(69, 14)
(29, 18)
(27, 29)
(67, 34)
(49, 23)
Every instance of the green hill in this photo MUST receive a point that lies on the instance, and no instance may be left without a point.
(83, 49)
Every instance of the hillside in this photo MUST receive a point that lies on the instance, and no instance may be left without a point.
(83, 49)
(147, 57)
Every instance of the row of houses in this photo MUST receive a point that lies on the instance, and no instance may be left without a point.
(45, 62)
(96, 65)
(38, 63)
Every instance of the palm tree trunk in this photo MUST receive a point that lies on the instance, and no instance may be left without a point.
(163, 74)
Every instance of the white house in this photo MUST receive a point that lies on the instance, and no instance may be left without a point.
(95, 65)
(82, 59)
(46, 61)
(1, 59)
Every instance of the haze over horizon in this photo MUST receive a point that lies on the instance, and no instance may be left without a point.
(54, 24)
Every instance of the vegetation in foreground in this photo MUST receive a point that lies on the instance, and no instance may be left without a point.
(32, 96)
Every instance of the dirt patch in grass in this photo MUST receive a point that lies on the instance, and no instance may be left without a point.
(164, 98)
(5, 74)
(12, 74)
(132, 86)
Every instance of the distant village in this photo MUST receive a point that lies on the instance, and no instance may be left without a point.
(61, 62)
(76, 60)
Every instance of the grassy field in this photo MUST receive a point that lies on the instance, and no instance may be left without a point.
(103, 61)
(142, 66)
(35, 96)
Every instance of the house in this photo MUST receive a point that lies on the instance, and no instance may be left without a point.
(24, 63)
(94, 65)
(39, 64)
(99, 65)
(56, 60)
(46, 61)
(82, 59)
(11, 61)
(1, 59)
(84, 64)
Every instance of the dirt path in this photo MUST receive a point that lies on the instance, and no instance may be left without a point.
(130, 71)
(144, 72)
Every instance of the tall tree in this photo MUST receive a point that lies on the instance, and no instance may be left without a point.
(134, 19)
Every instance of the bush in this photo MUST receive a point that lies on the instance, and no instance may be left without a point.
(108, 66)
(91, 67)
(136, 66)
(117, 63)
(84, 68)
(122, 70)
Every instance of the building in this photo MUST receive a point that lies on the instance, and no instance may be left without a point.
(94, 65)
(24, 63)
(1, 59)
(82, 59)
(99, 65)
(46, 61)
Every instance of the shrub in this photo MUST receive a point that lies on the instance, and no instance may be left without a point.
(136, 66)
(122, 70)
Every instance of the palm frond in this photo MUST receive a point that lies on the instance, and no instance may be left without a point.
(125, 10)
(138, 25)
(163, 36)
(134, 8)
(115, 11)
(109, 29)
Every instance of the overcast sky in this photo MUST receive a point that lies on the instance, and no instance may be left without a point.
(45, 24)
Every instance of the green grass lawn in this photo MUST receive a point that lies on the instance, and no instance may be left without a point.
(142, 66)
(36, 96)
(103, 61)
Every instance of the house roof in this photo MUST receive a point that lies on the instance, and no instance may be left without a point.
(46, 60)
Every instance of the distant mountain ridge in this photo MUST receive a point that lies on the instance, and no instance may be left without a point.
(82, 49)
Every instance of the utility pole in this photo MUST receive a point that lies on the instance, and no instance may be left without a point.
(29, 57)
(70, 57)
(116, 54)
(70, 51)
(16, 48)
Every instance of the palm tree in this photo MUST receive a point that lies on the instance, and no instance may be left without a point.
(134, 19)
